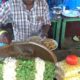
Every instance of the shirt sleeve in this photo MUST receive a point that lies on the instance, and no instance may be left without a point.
(46, 13)
(11, 2)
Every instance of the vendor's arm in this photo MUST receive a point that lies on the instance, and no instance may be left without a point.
(45, 29)
(47, 24)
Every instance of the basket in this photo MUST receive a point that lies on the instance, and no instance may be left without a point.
(23, 53)
(28, 50)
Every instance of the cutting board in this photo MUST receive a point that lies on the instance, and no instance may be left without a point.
(28, 50)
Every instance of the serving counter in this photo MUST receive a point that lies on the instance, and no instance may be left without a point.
(59, 28)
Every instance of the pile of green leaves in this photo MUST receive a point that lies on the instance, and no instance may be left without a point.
(25, 69)
(49, 73)
(1, 69)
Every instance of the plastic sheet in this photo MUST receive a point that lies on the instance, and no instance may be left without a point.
(71, 4)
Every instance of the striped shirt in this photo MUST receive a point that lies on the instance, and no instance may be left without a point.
(28, 23)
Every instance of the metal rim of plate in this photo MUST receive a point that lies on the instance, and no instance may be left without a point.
(71, 15)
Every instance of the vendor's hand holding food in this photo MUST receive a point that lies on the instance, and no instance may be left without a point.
(45, 29)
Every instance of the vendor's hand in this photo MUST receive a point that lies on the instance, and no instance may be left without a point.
(45, 30)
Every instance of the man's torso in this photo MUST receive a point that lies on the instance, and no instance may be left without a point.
(27, 23)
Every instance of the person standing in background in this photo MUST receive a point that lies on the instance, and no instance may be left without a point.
(30, 18)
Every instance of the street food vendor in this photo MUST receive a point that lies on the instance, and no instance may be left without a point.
(30, 17)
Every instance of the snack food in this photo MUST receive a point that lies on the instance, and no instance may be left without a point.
(76, 77)
(50, 44)
(67, 70)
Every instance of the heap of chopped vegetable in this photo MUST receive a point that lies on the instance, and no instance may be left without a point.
(1, 69)
(25, 69)
(49, 73)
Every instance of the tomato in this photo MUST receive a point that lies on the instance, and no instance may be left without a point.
(72, 59)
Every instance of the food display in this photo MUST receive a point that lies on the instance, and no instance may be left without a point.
(66, 71)
(47, 42)
(26, 69)
(68, 78)
(50, 44)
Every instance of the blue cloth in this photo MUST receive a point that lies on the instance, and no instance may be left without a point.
(53, 3)
(71, 4)
(0, 1)
(2, 44)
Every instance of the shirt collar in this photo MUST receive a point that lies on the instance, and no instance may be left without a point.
(24, 6)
